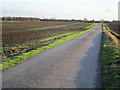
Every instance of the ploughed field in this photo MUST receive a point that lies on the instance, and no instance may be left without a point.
(114, 27)
(23, 36)
(115, 30)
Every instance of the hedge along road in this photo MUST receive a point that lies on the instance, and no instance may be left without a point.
(74, 64)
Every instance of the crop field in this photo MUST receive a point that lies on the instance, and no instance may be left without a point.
(23, 36)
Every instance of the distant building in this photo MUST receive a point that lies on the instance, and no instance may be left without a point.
(85, 20)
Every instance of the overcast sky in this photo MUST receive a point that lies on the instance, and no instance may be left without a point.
(66, 9)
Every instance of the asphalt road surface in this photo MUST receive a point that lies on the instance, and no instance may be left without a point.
(74, 64)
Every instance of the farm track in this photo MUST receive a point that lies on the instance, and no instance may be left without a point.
(73, 64)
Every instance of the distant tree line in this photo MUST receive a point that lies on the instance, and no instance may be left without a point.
(54, 19)
(73, 20)
(65, 20)
(19, 19)
(68, 20)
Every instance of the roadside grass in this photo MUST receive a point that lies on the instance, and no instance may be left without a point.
(110, 63)
(12, 61)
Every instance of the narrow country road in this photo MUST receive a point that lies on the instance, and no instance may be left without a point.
(74, 64)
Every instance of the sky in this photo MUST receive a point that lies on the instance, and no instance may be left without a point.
(62, 9)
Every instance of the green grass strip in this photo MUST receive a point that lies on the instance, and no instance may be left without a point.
(53, 27)
(24, 56)
(50, 27)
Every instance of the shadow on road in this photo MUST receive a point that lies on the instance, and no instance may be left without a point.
(89, 74)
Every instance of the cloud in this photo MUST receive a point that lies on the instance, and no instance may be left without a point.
(112, 11)
(109, 10)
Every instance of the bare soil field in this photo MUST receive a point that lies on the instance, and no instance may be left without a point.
(115, 31)
(115, 27)
(18, 38)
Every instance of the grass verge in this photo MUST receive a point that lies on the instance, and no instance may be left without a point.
(12, 61)
(110, 62)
